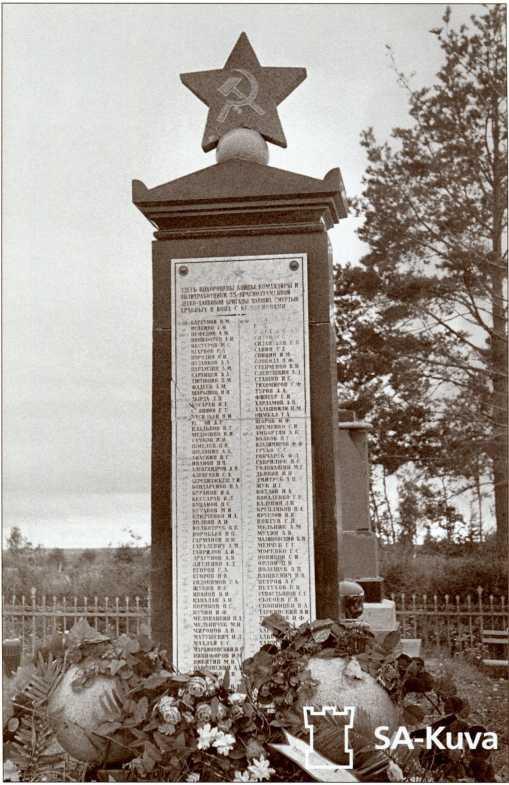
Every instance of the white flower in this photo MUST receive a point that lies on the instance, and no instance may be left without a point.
(203, 712)
(166, 702)
(237, 698)
(193, 777)
(260, 769)
(221, 711)
(224, 743)
(197, 687)
(242, 776)
(206, 736)
(167, 728)
(394, 773)
(168, 709)
(212, 685)
(353, 670)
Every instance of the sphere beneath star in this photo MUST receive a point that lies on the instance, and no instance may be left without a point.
(243, 143)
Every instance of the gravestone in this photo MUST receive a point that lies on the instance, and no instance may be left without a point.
(245, 497)
(360, 546)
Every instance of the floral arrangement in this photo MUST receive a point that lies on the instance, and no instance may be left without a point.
(195, 727)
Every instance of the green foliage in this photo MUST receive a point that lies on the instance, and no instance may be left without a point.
(422, 320)
(89, 555)
(56, 557)
(30, 725)
(178, 725)
(16, 542)
(435, 569)
(66, 572)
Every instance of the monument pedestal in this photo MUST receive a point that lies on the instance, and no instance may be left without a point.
(241, 214)
(360, 546)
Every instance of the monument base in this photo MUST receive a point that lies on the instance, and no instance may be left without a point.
(381, 617)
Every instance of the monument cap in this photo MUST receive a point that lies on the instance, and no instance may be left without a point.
(243, 143)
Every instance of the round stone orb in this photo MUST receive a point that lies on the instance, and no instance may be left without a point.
(243, 143)
(342, 683)
(72, 712)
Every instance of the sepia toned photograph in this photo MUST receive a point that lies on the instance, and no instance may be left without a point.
(254, 385)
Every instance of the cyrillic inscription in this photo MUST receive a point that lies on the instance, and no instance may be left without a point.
(242, 504)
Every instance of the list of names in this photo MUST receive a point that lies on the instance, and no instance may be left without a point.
(242, 504)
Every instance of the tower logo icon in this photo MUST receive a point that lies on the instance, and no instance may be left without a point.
(311, 714)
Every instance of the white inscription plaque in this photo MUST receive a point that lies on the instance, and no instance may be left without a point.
(241, 447)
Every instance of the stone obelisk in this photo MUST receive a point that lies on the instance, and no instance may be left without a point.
(245, 505)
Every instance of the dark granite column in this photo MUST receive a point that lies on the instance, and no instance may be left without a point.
(360, 546)
(241, 208)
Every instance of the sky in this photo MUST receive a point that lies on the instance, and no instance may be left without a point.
(92, 100)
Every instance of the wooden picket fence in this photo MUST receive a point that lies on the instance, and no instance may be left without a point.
(453, 622)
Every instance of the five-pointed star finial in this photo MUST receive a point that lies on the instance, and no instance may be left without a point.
(243, 94)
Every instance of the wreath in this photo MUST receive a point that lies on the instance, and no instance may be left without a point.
(175, 727)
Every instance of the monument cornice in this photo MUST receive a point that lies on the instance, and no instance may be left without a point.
(242, 197)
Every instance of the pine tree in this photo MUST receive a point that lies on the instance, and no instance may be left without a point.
(432, 287)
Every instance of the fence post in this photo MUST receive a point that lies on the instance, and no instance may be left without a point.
(438, 637)
(459, 625)
(470, 628)
(481, 619)
(13, 618)
(414, 617)
(23, 622)
(447, 626)
(33, 592)
(117, 620)
(425, 618)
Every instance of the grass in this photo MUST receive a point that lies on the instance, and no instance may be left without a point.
(488, 697)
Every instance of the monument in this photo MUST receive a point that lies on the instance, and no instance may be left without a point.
(246, 507)
(360, 545)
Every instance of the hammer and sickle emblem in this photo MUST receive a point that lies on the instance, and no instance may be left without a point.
(236, 99)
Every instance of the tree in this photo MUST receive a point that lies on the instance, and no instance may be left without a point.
(89, 555)
(433, 285)
(17, 542)
(131, 550)
(56, 557)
